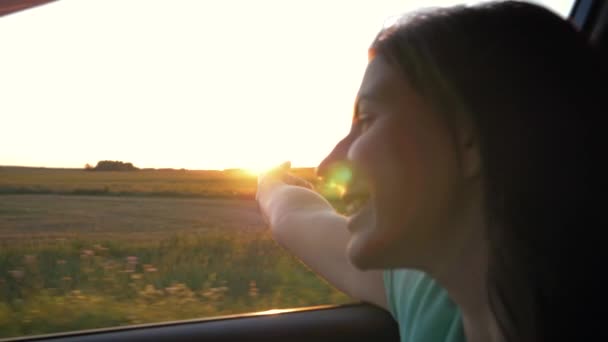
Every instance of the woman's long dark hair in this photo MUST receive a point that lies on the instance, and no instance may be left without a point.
(529, 80)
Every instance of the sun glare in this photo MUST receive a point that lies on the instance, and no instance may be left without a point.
(254, 171)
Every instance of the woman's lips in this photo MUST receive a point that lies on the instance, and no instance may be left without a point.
(355, 196)
(364, 217)
(353, 206)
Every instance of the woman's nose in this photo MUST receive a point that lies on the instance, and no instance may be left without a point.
(338, 154)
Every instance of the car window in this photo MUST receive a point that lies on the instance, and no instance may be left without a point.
(132, 133)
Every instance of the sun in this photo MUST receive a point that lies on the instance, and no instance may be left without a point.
(254, 171)
(261, 167)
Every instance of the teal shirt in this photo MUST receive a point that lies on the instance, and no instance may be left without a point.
(422, 308)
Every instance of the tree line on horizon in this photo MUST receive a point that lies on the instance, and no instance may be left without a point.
(111, 165)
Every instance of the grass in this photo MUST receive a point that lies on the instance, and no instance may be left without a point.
(71, 262)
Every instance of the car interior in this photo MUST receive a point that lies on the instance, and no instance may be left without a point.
(359, 321)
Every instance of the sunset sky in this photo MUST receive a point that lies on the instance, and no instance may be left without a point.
(185, 84)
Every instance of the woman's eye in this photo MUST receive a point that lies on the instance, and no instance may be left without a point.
(364, 122)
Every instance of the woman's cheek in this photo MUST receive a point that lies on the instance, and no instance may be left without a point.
(366, 150)
(358, 149)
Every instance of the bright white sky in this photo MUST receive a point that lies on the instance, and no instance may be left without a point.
(193, 84)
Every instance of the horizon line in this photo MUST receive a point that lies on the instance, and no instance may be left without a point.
(143, 168)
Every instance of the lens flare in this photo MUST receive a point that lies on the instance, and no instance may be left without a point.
(340, 189)
(337, 180)
(342, 175)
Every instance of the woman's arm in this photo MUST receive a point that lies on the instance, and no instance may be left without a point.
(306, 224)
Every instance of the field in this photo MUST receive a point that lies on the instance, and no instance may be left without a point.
(81, 250)
(160, 183)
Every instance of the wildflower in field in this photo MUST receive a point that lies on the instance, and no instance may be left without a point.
(77, 294)
(17, 274)
(149, 268)
(109, 265)
(131, 264)
(29, 259)
(150, 291)
(215, 293)
(99, 247)
(253, 289)
(88, 252)
(180, 290)
(132, 260)
(171, 289)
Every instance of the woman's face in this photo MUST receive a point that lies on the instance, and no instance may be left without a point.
(404, 154)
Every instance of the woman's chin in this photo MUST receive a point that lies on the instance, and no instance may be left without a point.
(366, 248)
(362, 254)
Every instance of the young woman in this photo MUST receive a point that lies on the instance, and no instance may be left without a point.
(475, 136)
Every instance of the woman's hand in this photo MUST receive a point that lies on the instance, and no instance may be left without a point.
(280, 174)
(280, 192)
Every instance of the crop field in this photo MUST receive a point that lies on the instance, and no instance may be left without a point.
(82, 250)
(160, 183)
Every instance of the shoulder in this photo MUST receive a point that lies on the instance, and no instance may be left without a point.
(422, 308)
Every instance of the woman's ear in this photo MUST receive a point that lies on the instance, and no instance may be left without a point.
(468, 146)
(471, 160)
